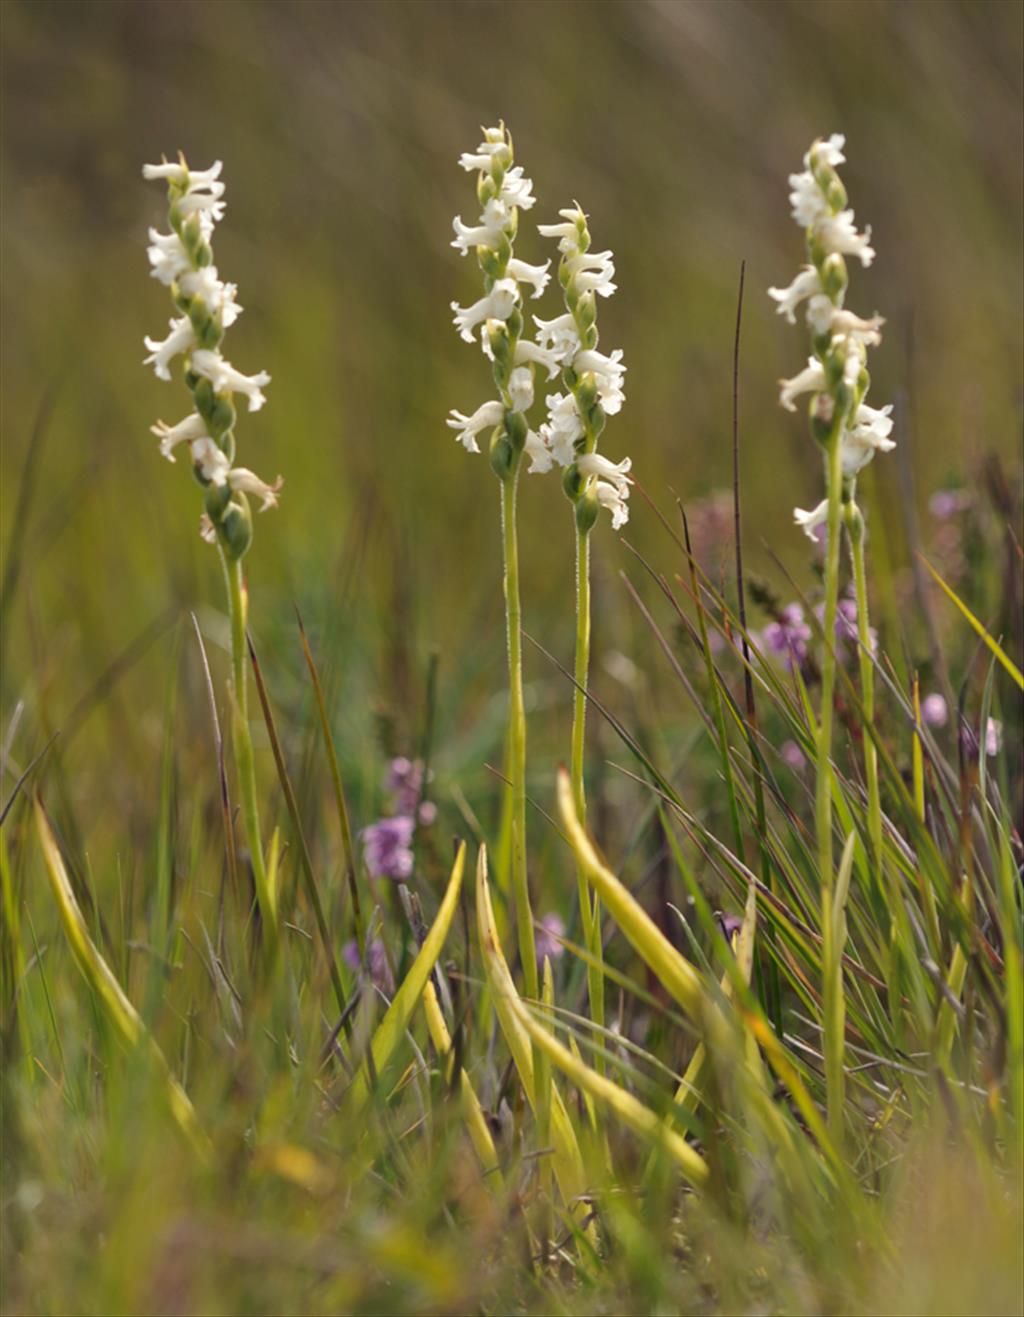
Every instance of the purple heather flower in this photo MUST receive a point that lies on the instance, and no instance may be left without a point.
(946, 503)
(787, 637)
(934, 711)
(993, 737)
(376, 963)
(405, 781)
(792, 755)
(729, 924)
(387, 847)
(426, 814)
(549, 929)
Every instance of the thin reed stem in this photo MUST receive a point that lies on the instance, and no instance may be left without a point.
(517, 732)
(590, 908)
(242, 742)
(833, 1023)
(867, 685)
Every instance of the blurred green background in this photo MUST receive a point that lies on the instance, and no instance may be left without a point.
(675, 125)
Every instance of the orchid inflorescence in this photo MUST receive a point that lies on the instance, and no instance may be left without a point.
(183, 260)
(836, 374)
(566, 345)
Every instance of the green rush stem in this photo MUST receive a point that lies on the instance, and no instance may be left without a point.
(867, 683)
(590, 909)
(517, 733)
(833, 1023)
(244, 762)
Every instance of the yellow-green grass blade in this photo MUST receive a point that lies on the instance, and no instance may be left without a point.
(674, 971)
(109, 993)
(990, 641)
(622, 1104)
(389, 1033)
(567, 1160)
(476, 1123)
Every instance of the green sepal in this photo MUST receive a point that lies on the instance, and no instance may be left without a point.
(235, 527)
(516, 430)
(502, 456)
(572, 482)
(587, 508)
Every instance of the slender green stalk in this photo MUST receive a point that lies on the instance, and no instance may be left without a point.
(834, 1022)
(242, 742)
(855, 526)
(590, 908)
(517, 730)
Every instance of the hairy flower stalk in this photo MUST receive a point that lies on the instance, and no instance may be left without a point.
(849, 433)
(206, 307)
(497, 318)
(576, 420)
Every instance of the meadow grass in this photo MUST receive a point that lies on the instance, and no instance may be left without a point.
(769, 1059)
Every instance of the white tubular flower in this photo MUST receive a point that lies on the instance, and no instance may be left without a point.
(498, 304)
(215, 468)
(167, 256)
(486, 417)
(828, 152)
(225, 379)
(810, 521)
(806, 284)
(563, 427)
(614, 499)
(537, 275)
(560, 336)
(569, 233)
(244, 481)
(528, 352)
(178, 172)
(597, 281)
(538, 453)
(520, 388)
(493, 146)
(608, 372)
(808, 201)
(193, 427)
(869, 435)
(493, 223)
(810, 380)
(162, 353)
(517, 189)
(837, 233)
(199, 191)
(824, 317)
(219, 297)
(613, 473)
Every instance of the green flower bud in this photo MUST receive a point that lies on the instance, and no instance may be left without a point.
(490, 262)
(516, 430)
(588, 337)
(835, 194)
(498, 341)
(235, 527)
(502, 456)
(834, 277)
(221, 417)
(215, 497)
(572, 482)
(586, 311)
(587, 509)
(585, 391)
(203, 395)
(596, 419)
(515, 323)
(486, 189)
